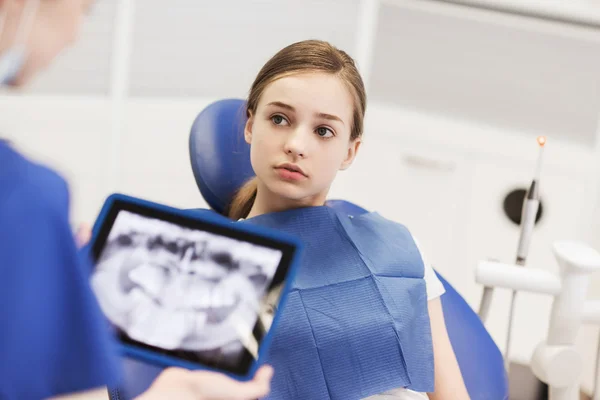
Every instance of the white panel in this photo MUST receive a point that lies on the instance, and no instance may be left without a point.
(155, 162)
(85, 67)
(492, 72)
(70, 136)
(215, 49)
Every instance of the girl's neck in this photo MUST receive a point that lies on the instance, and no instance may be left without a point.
(269, 202)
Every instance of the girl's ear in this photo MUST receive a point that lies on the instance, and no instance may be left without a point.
(352, 151)
(248, 129)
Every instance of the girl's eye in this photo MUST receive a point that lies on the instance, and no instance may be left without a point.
(325, 132)
(279, 120)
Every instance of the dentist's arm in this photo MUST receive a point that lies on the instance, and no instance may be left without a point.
(182, 384)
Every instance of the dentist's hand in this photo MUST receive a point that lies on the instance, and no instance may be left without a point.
(83, 235)
(182, 384)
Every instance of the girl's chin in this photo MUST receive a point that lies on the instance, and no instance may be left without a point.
(292, 193)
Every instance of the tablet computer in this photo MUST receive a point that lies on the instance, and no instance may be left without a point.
(188, 288)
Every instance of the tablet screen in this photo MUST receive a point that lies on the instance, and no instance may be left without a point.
(185, 288)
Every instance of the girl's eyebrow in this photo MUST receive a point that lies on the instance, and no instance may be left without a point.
(282, 105)
(320, 115)
(330, 117)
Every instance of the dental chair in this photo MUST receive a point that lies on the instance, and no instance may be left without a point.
(220, 160)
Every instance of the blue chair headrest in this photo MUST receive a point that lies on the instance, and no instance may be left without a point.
(219, 155)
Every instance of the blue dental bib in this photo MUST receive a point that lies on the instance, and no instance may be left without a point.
(356, 322)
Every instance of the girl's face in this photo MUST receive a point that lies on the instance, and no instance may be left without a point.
(300, 137)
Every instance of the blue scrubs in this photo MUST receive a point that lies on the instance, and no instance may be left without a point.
(53, 337)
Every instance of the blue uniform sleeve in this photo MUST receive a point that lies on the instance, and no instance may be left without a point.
(53, 337)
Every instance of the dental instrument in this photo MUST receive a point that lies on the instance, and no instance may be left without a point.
(529, 212)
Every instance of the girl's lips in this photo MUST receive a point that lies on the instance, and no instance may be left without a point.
(289, 175)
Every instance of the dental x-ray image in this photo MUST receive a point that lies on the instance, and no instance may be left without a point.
(189, 293)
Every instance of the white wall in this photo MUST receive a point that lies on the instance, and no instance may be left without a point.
(74, 135)
(443, 173)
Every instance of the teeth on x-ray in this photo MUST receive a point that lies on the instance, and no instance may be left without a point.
(181, 289)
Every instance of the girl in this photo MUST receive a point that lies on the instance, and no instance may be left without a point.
(305, 120)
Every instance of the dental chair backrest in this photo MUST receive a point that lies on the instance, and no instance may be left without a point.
(220, 160)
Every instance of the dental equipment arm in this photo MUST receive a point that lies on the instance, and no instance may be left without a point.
(529, 213)
(555, 360)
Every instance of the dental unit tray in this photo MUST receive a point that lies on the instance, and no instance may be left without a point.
(189, 288)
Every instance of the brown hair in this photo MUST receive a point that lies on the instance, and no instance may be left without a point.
(305, 56)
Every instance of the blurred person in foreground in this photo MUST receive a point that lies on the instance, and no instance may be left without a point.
(54, 341)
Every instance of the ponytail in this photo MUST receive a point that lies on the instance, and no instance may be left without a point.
(243, 200)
